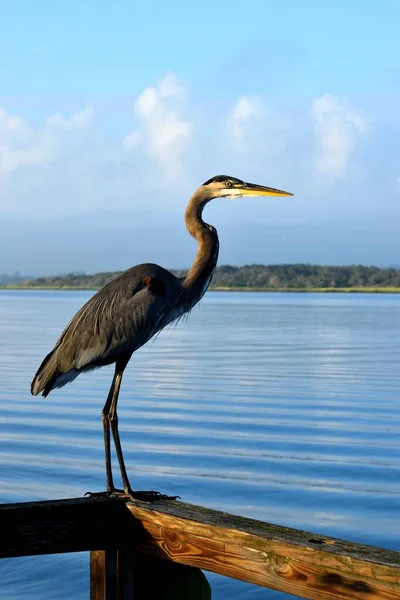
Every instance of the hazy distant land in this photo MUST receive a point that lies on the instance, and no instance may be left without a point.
(289, 277)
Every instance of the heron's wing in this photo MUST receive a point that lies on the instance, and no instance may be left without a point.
(117, 319)
(120, 318)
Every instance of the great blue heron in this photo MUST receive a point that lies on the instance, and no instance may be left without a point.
(131, 309)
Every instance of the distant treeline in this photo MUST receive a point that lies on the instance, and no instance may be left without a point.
(299, 276)
(14, 278)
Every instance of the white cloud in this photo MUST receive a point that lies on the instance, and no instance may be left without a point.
(338, 129)
(246, 110)
(132, 140)
(21, 145)
(78, 120)
(69, 164)
(164, 132)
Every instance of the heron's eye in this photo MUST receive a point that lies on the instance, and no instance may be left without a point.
(228, 183)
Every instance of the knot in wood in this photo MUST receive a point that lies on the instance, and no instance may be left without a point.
(173, 540)
(283, 568)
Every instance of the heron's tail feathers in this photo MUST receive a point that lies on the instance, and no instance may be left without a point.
(49, 375)
(45, 375)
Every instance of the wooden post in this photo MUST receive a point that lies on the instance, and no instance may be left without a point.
(103, 575)
(127, 575)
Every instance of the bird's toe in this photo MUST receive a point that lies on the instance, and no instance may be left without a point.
(105, 493)
(149, 496)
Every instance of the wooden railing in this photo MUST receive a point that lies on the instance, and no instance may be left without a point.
(143, 551)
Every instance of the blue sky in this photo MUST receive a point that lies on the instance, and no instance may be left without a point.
(111, 117)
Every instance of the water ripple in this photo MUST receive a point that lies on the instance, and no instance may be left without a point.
(282, 407)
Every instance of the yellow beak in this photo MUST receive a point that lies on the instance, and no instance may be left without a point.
(252, 189)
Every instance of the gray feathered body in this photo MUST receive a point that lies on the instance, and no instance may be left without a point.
(117, 320)
(128, 311)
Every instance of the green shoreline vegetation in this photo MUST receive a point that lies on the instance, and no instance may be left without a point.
(254, 278)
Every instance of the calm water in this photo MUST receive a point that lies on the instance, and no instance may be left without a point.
(281, 407)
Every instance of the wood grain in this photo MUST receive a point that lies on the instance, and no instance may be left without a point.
(297, 562)
(293, 561)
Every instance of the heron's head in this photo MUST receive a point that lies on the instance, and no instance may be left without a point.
(223, 186)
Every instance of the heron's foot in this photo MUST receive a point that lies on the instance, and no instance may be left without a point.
(106, 493)
(131, 495)
(149, 496)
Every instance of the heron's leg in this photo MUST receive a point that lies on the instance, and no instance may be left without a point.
(106, 429)
(113, 418)
(110, 488)
(113, 421)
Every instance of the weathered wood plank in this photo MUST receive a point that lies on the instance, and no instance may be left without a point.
(301, 563)
(293, 561)
(75, 525)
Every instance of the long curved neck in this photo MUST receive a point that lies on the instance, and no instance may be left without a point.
(198, 278)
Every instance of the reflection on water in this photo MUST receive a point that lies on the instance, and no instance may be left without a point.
(281, 407)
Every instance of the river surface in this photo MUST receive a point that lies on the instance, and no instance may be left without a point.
(280, 407)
